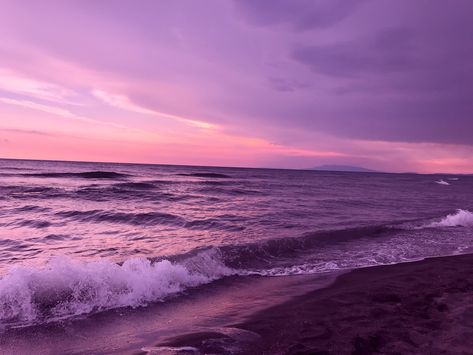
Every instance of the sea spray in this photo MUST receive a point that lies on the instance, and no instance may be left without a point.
(65, 287)
(461, 218)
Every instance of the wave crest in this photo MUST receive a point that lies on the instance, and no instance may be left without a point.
(83, 175)
(64, 287)
(461, 218)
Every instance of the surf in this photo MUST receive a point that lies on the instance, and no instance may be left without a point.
(65, 287)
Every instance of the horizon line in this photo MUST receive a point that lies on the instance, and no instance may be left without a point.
(228, 167)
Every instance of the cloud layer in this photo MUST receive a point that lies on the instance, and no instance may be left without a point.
(385, 83)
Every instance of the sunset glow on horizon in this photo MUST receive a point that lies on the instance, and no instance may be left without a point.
(379, 84)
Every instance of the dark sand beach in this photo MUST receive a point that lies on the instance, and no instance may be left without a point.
(423, 307)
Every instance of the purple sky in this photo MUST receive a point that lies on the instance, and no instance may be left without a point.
(383, 84)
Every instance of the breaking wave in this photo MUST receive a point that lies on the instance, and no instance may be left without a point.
(65, 288)
(461, 218)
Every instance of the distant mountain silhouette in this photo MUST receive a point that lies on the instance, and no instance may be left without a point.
(343, 168)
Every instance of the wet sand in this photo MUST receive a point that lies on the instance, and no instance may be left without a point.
(423, 307)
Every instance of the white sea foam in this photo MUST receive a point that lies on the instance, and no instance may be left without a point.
(442, 182)
(66, 287)
(461, 218)
(300, 269)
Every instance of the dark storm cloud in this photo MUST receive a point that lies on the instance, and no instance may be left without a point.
(411, 83)
(389, 51)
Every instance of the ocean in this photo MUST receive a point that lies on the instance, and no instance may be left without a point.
(81, 239)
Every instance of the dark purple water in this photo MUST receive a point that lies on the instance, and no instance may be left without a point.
(79, 238)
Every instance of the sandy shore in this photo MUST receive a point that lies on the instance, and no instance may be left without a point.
(423, 307)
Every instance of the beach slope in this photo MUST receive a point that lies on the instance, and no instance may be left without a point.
(423, 307)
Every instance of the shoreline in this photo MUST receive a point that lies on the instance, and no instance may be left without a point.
(206, 308)
(419, 307)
